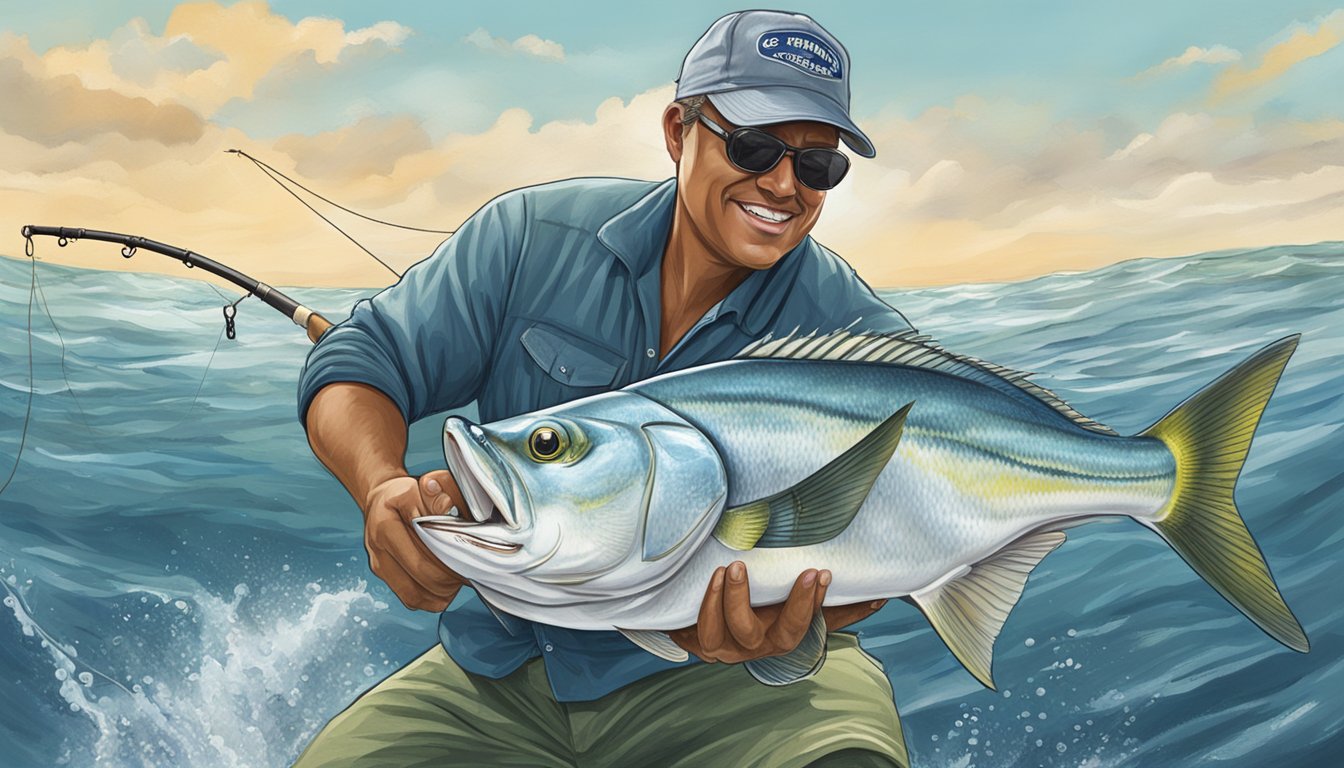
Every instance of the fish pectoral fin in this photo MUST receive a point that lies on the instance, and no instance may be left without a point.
(821, 506)
(801, 663)
(968, 611)
(655, 642)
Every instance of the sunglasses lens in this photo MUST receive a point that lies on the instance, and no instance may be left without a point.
(821, 168)
(754, 151)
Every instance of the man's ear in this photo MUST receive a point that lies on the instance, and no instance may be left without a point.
(673, 132)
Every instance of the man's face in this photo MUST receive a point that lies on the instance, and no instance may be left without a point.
(745, 219)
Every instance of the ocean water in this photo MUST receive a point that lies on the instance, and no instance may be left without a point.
(185, 585)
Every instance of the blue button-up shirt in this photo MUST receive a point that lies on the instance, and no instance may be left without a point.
(548, 294)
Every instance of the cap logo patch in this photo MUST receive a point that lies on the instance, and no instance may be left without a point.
(803, 51)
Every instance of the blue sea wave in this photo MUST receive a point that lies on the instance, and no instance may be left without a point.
(186, 585)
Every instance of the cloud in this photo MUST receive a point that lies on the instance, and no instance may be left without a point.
(210, 54)
(975, 189)
(56, 110)
(370, 147)
(1304, 42)
(1217, 54)
(530, 45)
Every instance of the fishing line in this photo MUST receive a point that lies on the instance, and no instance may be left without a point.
(266, 167)
(46, 307)
(52, 643)
(276, 175)
(27, 416)
(41, 296)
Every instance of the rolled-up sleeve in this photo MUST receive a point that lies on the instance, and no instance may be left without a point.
(427, 341)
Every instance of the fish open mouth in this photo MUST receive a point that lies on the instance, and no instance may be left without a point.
(485, 486)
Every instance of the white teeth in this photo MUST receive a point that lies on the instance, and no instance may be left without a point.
(766, 213)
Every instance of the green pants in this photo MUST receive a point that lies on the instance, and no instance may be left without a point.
(432, 713)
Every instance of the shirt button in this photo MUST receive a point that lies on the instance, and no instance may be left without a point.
(650, 352)
(549, 647)
(564, 369)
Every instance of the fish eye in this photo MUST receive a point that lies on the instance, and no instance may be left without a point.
(547, 443)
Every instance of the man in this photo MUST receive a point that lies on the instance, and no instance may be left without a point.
(569, 289)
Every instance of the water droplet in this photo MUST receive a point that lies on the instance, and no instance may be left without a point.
(1030, 642)
(1073, 633)
(1041, 716)
(1061, 748)
(972, 741)
(1030, 728)
(1040, 691)
(86, 678)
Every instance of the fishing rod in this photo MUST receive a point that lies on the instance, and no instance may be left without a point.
(312, 322)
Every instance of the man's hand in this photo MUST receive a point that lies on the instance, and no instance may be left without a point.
(396, 554)
(730, 630)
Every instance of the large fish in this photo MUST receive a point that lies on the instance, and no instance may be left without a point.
(906, 470)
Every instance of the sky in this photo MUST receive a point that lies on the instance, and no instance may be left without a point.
(1013, 139)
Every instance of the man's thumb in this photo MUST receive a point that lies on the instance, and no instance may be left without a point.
(439, 492)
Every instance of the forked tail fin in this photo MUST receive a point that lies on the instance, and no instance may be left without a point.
(1209, 435)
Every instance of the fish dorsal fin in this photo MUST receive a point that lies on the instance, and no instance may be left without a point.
(821, 506)
(658, 643)
(916, 350)
(968, 611)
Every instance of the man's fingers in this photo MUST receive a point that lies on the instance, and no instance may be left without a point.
(709, 626)
(439, 493)
(794, 619)
(743, 624)
(407, 590)
(405, 547)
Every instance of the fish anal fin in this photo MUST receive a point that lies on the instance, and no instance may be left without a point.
(968, 611)
(821, 506)
(802, 662)
(655, 642)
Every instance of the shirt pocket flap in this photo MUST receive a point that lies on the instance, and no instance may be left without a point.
(570, 360)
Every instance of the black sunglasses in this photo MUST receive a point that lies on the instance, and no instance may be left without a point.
(756, 151)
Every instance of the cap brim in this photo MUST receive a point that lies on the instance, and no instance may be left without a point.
(781, 104)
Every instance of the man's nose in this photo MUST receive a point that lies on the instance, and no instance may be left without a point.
(779, 181)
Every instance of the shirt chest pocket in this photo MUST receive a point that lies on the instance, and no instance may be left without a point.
(570, 360)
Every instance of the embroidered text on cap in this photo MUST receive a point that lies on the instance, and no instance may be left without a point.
(801, 50)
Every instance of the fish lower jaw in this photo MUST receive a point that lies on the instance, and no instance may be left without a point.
(466, 532)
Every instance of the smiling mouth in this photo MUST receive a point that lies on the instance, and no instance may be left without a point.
(764, 213)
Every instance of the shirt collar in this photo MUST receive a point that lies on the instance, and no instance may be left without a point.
(638, 235)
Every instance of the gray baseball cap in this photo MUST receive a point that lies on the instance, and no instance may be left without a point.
(763, 67)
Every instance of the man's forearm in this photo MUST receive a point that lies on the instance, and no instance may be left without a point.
(358, 433)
